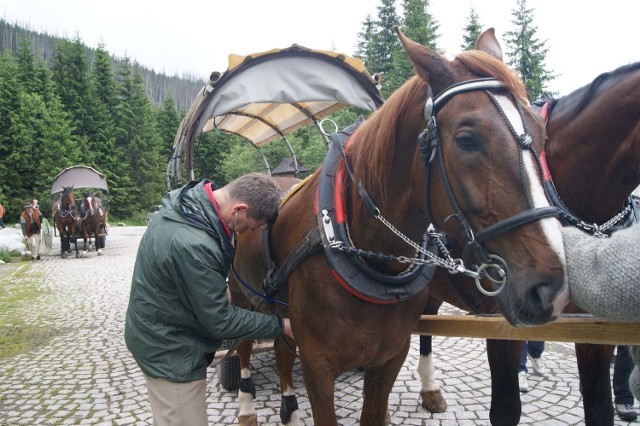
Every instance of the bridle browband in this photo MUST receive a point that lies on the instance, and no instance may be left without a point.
(494, 267)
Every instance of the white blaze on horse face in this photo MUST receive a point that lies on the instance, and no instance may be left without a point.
(550, 226)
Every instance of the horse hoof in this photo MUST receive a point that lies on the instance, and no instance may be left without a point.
(63, 255)
(99, 252)
(433, 401)
(248, 420)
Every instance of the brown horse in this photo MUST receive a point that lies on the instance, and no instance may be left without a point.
(93, 221)
(65, 216)
(351, 303)
(593, 157)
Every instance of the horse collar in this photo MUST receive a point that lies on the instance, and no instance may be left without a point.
(349, 270)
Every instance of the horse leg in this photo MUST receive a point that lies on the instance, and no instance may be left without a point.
(285, 358)
(85, 237)
(378, 383)
(65, 245)
(504, 359)
(432, 399)
(96, 239)
(247, 415)
(319, 377)
(594, 368)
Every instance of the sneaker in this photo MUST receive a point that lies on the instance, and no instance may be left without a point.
(538, 367)
(626, 412)
(38, 258)
(522, 381)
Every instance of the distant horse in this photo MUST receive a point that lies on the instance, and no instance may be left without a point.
(593, 157)
(93, 221)
(65, 216)
(354, 274)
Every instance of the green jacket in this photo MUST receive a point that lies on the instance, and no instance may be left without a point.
(178, 309)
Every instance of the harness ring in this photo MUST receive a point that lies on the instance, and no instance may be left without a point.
(500, 270)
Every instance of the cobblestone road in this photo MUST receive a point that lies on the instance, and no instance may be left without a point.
(85, 376)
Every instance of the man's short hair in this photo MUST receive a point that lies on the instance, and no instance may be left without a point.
(261, 193)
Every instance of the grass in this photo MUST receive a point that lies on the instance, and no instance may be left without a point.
(19, 291)
(5, 256)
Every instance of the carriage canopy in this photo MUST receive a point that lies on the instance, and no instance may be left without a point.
(79, 177)
(266, 95)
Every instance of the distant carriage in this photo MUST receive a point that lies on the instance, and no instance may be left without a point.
(86, 219)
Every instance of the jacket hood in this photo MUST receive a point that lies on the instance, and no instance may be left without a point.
(191, 205)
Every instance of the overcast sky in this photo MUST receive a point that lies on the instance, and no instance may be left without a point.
(195, 36)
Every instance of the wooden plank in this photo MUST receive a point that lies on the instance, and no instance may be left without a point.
(579, 330)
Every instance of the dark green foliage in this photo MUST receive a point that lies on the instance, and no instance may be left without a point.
(379, 47)
(79, 112)
(472, 31)
(168, 120)
(526, 52)
(62, 104)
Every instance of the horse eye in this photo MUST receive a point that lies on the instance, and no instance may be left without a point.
(467, 142)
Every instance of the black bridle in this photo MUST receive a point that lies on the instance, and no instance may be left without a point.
(494, 267)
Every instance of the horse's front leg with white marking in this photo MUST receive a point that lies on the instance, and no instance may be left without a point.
(247, 415)
(285, 358)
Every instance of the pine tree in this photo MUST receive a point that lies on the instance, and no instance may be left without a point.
(472, 31)
(363, 44)
(11, 93)
(71, 74)
(527, 52)
(168, 120)
(383, 43)
(420, 26)
(102, 88)
(147, 169)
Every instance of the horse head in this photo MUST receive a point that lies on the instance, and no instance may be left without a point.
(477, 175)
(89, 205)
(67, 198)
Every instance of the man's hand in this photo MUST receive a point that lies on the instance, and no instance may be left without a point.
(287, 328)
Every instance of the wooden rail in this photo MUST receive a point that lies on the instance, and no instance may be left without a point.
(578, 330)
(568, 329)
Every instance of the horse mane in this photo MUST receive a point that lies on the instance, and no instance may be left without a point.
(483, 65)
(575, 102)
(372, 156)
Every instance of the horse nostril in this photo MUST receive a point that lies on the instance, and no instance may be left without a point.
(541, 297)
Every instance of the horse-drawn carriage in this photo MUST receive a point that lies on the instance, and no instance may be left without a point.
(86, 219)
(262, 98)
(434, 180)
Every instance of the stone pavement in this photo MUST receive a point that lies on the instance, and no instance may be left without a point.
(84, 375)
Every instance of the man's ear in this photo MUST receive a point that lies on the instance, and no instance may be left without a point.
(239, 207)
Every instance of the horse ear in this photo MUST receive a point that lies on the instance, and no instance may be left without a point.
(427, 63)
(488, 43)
